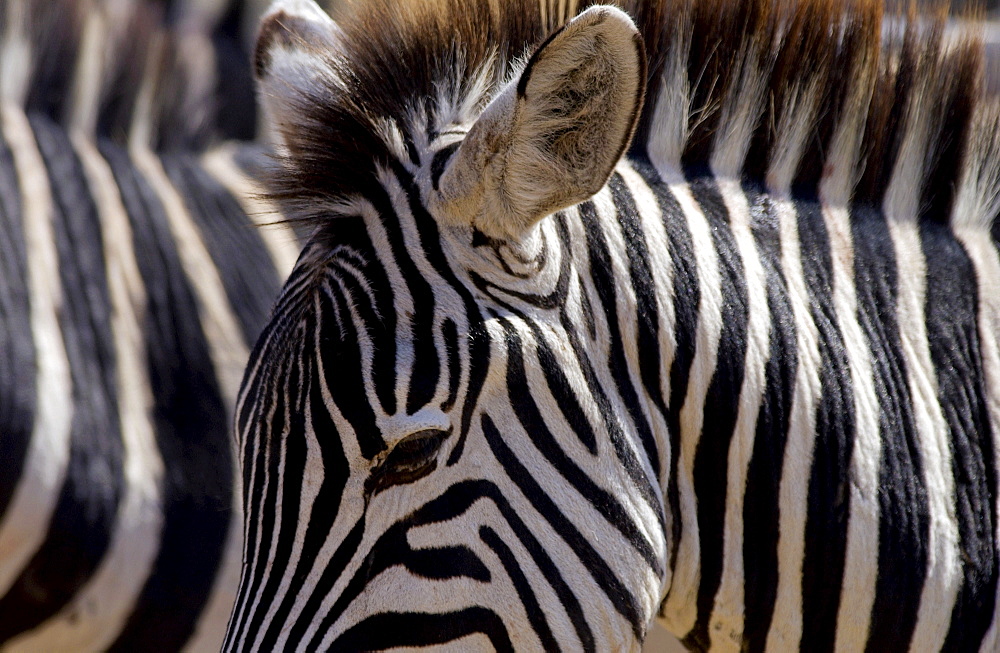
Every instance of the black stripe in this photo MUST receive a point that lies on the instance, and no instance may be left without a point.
(232, 240)
(686, 297)
(458, 498)
(192, 432)
(449, 334)
(331, 574)
(395, 629)
(601, 273)
(426, 366)
(624, 450)
(440, 162)
(566, 398)
(281, 538)
(390, 550)
(85, 512)
(903, 522)
(829, 479)
(529, 415)
(711, 460)
(523, 588)
(18, 404)
(760, 501)
(476, 335)
(647, 309)
(621, 599)
(259, 517)
(953, 331)
(349, 241)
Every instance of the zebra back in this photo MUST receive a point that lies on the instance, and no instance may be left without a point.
(137, 269)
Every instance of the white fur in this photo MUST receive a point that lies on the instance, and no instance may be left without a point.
(861, 555)
(296, 70)
(726, 627)
(679, 608)
(26, 521)
(669, 132)
(100, 608)
(793, 492)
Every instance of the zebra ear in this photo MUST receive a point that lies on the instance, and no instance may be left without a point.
(553, 136)
(294, 44)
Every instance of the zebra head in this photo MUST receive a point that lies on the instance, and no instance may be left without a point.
(436, 447)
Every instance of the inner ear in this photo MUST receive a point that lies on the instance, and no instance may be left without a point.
(294, 45)
(552, 138)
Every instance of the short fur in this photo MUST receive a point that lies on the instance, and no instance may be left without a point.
(823, 94)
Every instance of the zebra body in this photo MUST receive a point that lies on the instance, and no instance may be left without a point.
(521, 393)
(132, 283)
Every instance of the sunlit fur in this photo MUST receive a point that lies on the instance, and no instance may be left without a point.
(132, 283)
(750, 386)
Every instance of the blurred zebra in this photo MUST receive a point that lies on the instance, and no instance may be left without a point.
(133, 274)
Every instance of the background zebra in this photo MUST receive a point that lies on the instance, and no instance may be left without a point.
(132, 280)
(522, 393)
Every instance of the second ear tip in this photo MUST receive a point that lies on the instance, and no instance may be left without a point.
(598, 14)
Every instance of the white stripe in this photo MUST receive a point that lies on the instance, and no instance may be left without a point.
(84, 105)
(260, 438)
(861, 555)
(679, 609)
(726, 627)
(229, 355)
(986, 261)
(661, 272)
(27, 518)
(278, 237)
(99, 610)
(943, 566)
(225, 339)
(16, 57)
(786, 624)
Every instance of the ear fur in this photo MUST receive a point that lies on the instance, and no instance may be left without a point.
(552, 138)
(294, 42)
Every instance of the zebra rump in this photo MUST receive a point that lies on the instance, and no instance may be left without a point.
(133, 277)
(682, 309)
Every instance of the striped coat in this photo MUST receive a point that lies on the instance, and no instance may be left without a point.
(689, 313)
(133, 279)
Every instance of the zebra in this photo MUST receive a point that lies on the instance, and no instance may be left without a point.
(133, 280)
(674, 310)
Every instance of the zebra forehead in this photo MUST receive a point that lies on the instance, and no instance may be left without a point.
(798, 93)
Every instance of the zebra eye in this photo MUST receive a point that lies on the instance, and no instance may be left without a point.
(411, 459)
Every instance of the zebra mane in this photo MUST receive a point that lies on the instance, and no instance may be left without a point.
(832, 97)
(143, 70)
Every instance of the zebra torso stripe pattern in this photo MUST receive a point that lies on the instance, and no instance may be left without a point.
(747, 382)
(139, 279)
(134, 278)
(135, 283)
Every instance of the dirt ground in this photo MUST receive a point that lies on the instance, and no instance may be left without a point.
(660, 641)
